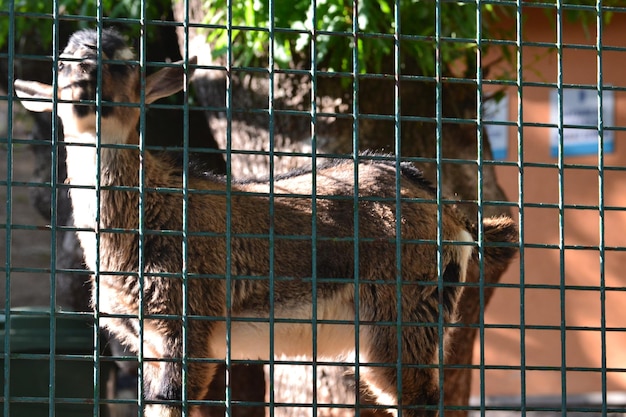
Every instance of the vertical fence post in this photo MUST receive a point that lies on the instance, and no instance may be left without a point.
(141, 228)
(480, 202)
(56, 51)
(271, 168)
(439, 180)
(313, 115)
(561, 205)
(6, 407)
(356, 70)
(600, 87)
(519, 71)
(229, 179)
(186, 235)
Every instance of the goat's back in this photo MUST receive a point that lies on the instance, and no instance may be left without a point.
(255, 231)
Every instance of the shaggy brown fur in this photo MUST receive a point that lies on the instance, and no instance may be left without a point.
(183, 270)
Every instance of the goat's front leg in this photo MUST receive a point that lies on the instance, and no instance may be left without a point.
(162, 370)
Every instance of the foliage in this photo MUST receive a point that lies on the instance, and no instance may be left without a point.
(584, 11)
(335, 21)
(34, 17)
(290, 24)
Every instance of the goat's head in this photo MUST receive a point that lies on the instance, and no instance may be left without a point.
(109, 70)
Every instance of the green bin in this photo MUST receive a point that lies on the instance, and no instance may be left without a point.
(30, 376)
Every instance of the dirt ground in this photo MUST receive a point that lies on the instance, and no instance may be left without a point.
(25, 239)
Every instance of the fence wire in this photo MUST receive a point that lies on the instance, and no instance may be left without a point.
(520, 112)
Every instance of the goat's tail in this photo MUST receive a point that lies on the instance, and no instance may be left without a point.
(500, 238)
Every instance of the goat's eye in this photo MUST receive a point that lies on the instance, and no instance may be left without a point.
(84, 67)
(61, 66)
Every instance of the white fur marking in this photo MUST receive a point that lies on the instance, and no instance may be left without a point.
(251, 340)
(464, 252)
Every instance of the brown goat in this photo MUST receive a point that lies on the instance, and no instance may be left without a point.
(215, 270)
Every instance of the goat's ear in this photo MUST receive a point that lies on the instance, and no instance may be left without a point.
(167, 81)
(34, 90)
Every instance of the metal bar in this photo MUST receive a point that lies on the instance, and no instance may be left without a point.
(141, 221)
(99, 149)
(271, 168)
(561, 202)
(480, 202)
(601, 208)
(6, 392)
(185, 242)
(519, 36)
(439, 191)
(356, 70)
(228, 234)
(314, 237)
(56, 51)
(398, 203)
(397, 130)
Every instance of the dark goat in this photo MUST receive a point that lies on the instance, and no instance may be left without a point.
(234, 260)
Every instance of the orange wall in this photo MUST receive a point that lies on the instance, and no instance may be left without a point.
(543, 307)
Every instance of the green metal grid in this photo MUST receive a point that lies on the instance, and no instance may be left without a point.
(100, 21)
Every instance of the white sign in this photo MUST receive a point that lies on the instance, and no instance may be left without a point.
(580, 109)
(497, 111)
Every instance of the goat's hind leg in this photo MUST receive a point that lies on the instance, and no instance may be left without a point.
(419, 374)
(420, 395)
(171, 405)
(162, 379)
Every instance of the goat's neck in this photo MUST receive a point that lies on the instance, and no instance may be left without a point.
(118, 167)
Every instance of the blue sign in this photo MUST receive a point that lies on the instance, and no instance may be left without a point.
(497, 111)
(580, 114)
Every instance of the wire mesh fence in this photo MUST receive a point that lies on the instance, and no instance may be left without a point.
(253, 231)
